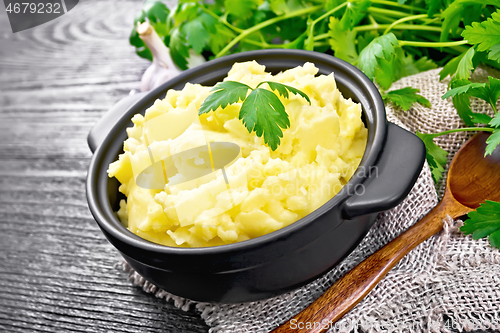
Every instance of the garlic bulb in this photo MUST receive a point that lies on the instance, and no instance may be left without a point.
(163, 68)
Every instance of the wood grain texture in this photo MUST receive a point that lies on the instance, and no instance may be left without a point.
(57, 271)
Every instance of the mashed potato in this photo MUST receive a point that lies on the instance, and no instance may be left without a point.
(262, 190)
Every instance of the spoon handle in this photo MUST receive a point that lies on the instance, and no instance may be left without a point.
(350, 289)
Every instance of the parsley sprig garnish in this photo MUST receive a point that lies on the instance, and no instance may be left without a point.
(261, 112)
(405, 98)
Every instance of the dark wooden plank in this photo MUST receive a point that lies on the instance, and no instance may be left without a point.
(57, 271)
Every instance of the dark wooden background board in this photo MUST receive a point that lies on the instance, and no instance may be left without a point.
(57, 271)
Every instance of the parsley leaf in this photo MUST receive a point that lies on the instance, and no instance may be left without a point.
(494, 53)
(366, 38)
(354, 13)
(434, 6)
(489, 92)
(185, 11)
(155, 11)
(283, 89)
(483, 222)
(410, 66)
(197, 36)
(242, 9)
(223, 37)
(494, 139)
(492, 142)
(452, 16)
(461, 101)
(465, 65)
(179, 50)
(399, 65)
(343, 42)
(279, 7)
(223, 94)
(263, 113)
(380, 47)
(480, 118)
(461, 66)
(387, 72)
(330, 4)
(472, 13)
(462, 89)
(485, 35)
(436, 156)
(405, 98)
(462, 104)
(451, 67)
(198, 31)
(495, 122)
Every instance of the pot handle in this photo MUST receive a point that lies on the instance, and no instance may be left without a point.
(109, 119)
(394, 175)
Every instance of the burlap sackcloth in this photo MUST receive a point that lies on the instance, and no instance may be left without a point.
(449, 281)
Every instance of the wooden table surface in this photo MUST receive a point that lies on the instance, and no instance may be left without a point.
(57, 271)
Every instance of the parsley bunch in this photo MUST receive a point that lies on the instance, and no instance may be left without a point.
(261, 112)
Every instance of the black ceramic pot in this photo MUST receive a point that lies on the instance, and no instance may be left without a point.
(287, 258)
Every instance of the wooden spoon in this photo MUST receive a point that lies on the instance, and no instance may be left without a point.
(472, 179)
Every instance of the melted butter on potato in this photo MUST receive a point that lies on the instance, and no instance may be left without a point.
(267, 190)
